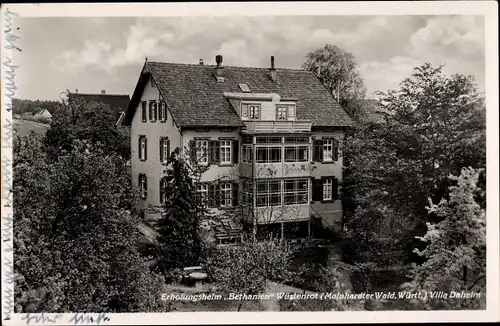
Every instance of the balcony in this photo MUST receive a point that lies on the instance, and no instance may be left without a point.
(291, 126)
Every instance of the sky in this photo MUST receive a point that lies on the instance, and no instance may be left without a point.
(92, 54)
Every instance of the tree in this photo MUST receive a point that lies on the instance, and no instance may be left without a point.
(81, 120)
(435, 127)
(178, 244)
(456, 246)
(72, 233)
(338, 71)
(245, 269)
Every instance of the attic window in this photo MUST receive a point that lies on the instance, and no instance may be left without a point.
(244, 88)
(220, 79)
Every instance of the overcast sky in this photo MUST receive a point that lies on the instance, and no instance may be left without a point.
(91, 54)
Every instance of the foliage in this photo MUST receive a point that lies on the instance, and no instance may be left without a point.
(246, 268)
(179, 243)
(20, 106)
(80, 120)
(456, 246)
(338, 71)
(73, 237)
(334, 279)
(435, 127)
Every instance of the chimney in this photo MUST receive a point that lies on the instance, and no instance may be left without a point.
(273, 70)
(219, 70)
(218, 60)
(201, 62)
(103, 92)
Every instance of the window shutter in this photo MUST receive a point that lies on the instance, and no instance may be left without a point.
(214, 151)
(145, 186)
(317, 194)
(192, 149)
(211, 195)
(145, 148)
(335, 150)
(139, 148)
(236, 151)
(144, 116)
(318, 150)
(335, 188)
(168, 149)
(217, 195)
(162, 154)
(150, 110)
(160, 113)
(235, 195)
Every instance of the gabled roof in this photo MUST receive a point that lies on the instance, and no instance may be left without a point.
(195, 98)
(40, 111)
(117, 103)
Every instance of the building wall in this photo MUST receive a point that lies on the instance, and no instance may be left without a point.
(215, 171)
(152, 167)
(331, 212)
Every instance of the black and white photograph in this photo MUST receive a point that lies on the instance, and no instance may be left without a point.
(173, 164)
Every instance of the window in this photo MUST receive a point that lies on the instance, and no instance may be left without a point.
(281, 113)
(268, 193)
(226, 194)
(202, 192)
(143, 185)
(247, 192)
(268, 154)
(164, 149)
(327, 149)
(153, 111)
(246, 152)
(296, 153)
(202, 151)
(163, 186)
(244, 88)
(163, 111)
(143, 148)
(327, 189)
(225, 151)
(268, 140)
(252, 111)
(297, 140)
(296, 191)
(153, 84)
(247, 139)
(144, 111)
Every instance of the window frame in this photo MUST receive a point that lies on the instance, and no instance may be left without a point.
(226, 148)
(296, 192)
(164, 150)
(202, 192)
(163, 115)
(224, 188)
(327, 189)
(328, 142)
(202, 144)
(143, 185)
(296, 158)
(281, 112)
(269, 195)
(251, 114)
(143, 148)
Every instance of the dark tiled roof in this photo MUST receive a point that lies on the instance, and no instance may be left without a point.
(373, 111)
(117, 103)
(195, 98)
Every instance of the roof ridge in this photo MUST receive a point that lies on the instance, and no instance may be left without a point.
(224, 66)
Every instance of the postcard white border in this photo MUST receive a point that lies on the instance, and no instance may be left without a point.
(488, 9)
